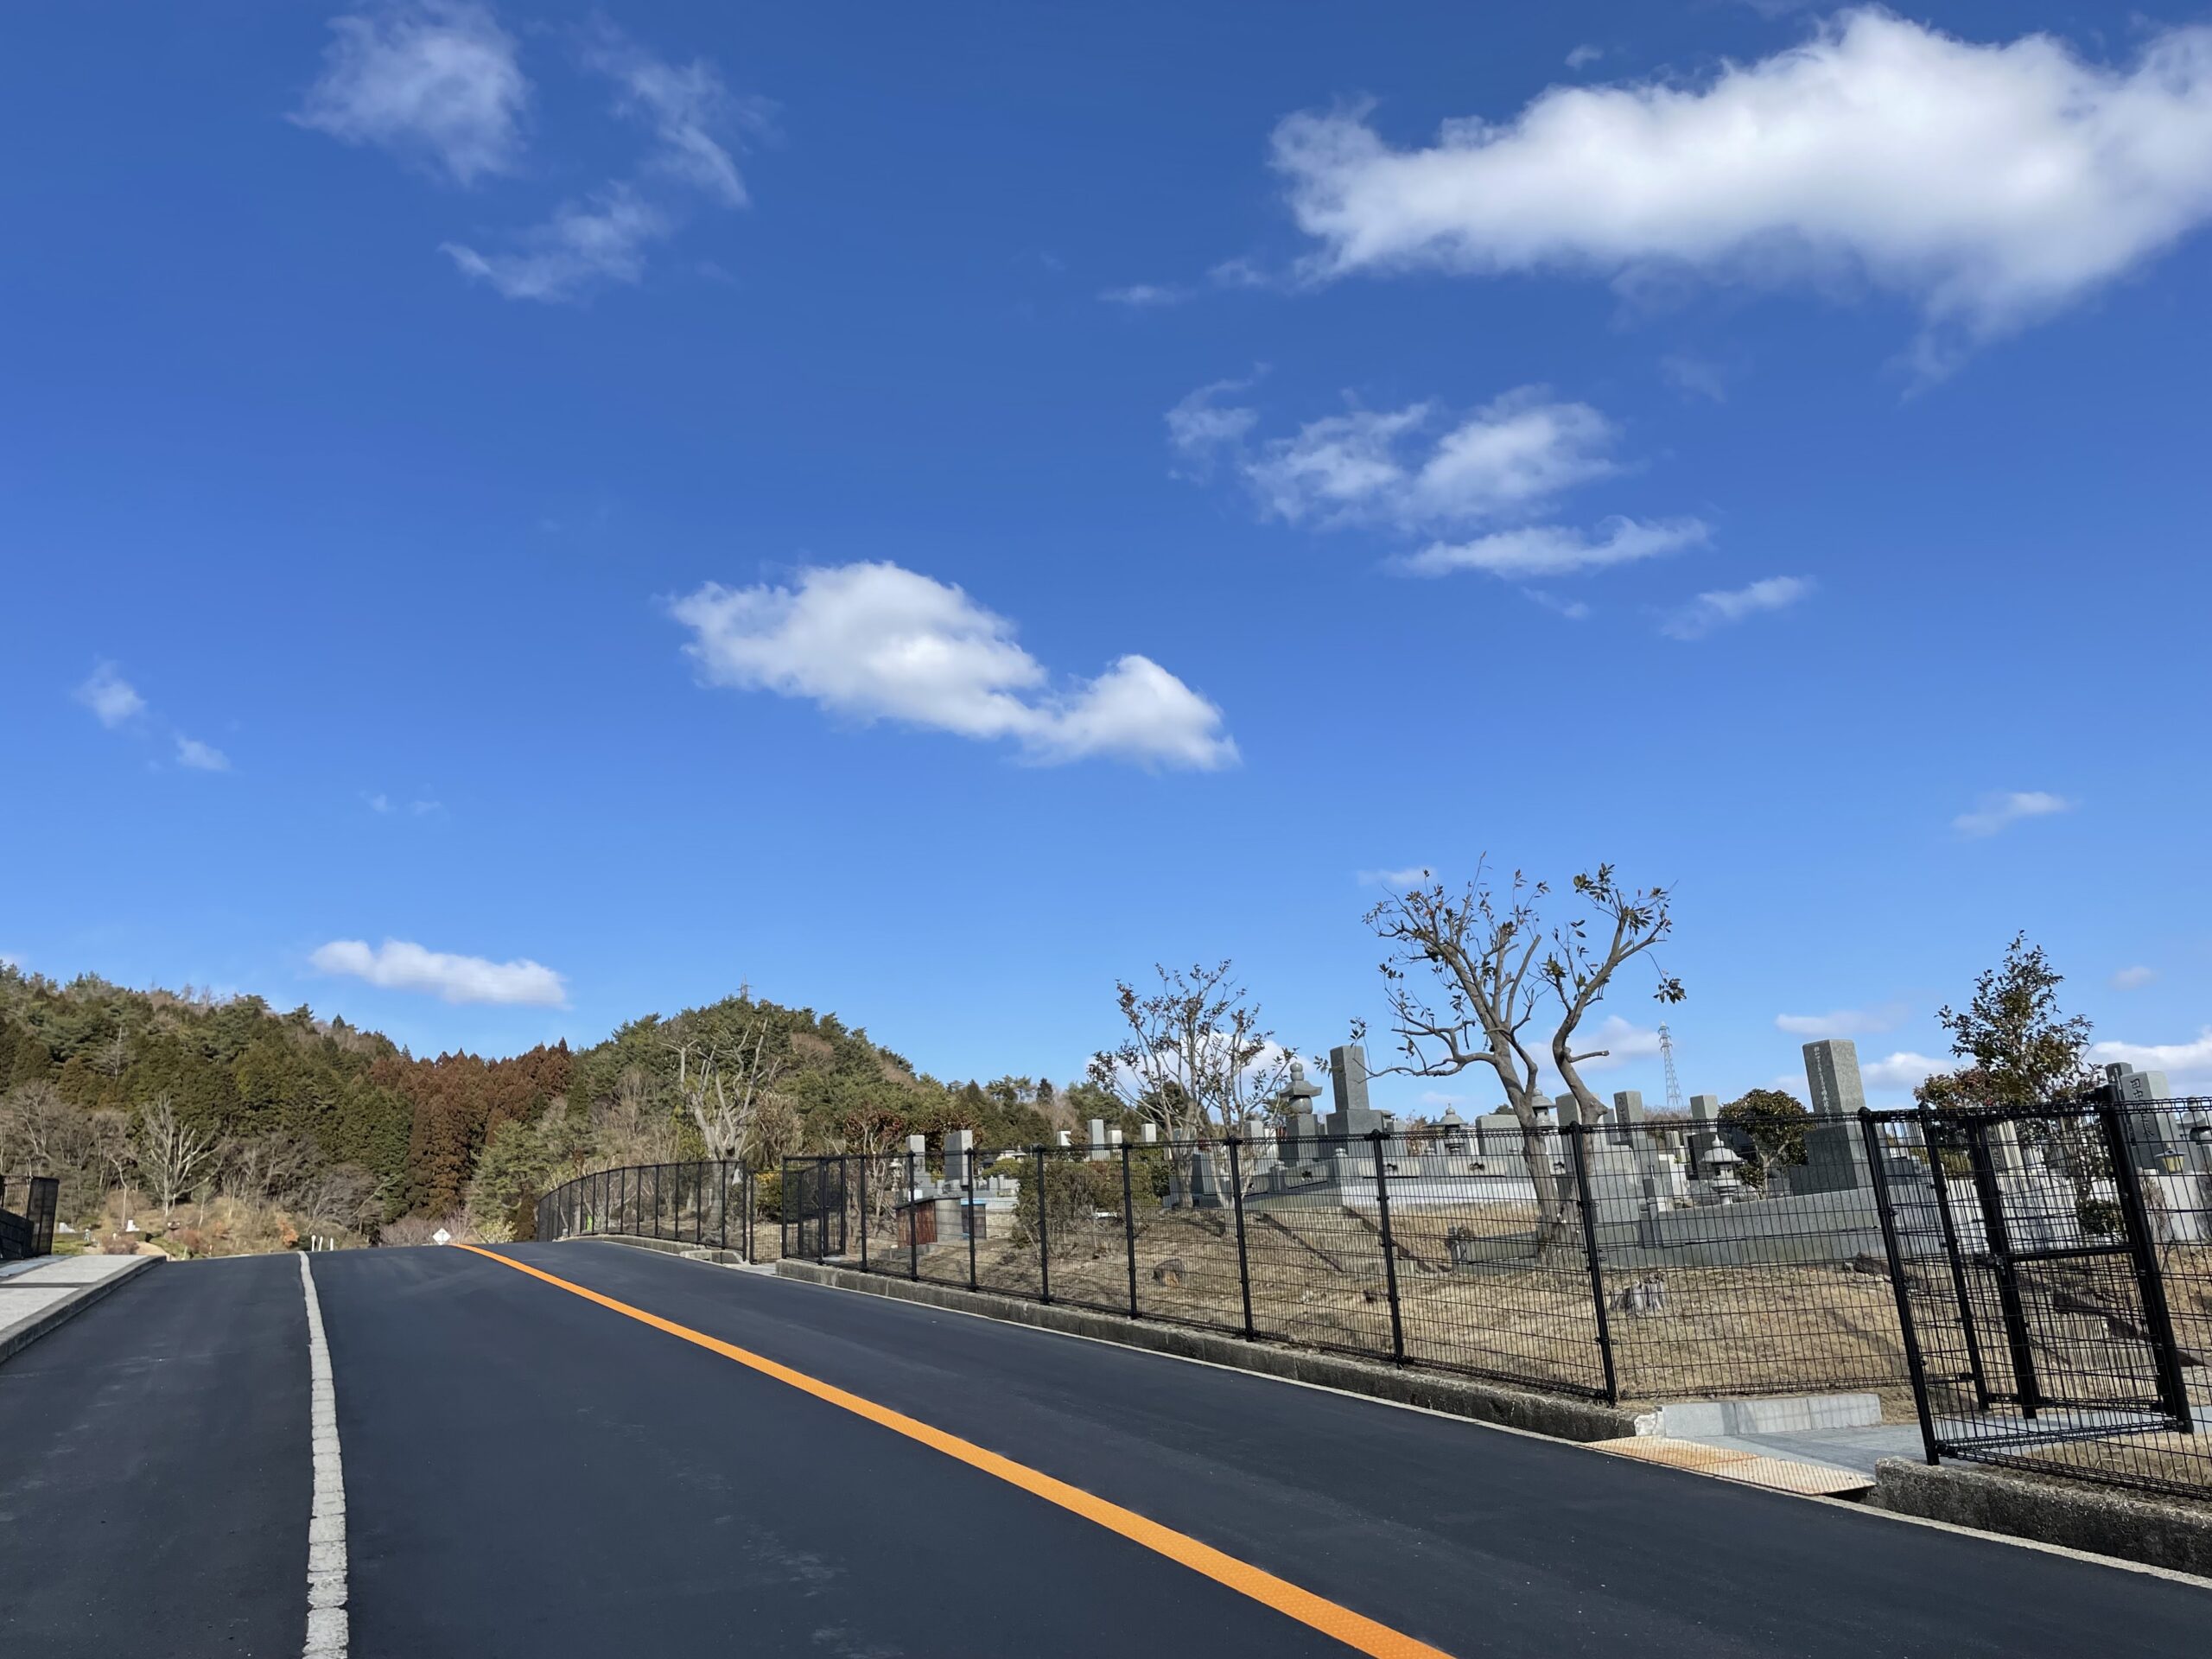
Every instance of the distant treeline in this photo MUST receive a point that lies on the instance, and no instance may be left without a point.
(321, 1107)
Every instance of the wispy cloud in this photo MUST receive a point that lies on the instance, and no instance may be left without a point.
(1723, 608)
(436, 83)
(1555, 550)
(1992, 184)
(584, 246)
(1583, 56)
(2001, 811)
(112, 699)
(2133, 979)
(1901, 1070)
(117, 705)
(1397, 880)
(696, 119)
(200, 757)
(385, 805)
(1842, 1022)
(401, 965)
(874, 641)
(1423, 469)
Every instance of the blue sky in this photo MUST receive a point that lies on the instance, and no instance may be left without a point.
(511, 523)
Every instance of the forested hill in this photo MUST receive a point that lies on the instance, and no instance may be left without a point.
(293, 1092)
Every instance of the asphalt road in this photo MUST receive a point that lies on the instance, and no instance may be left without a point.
(530, 1473)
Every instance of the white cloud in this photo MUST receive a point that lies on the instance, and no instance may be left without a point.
(2133, 979)
(1555, 550)
(435, 82)
(399, 965)
(2001, 811)
(689, 109)
(1144, 294)
(112, 699)
(1721, 609)
(876, 641)
(1201, 429)
(1583, 56)
(1513, 455)
(1621, 1040)
(200, 757)
(1573, 610)
(1842, 1022)
(1398, 879)
(1695, 377)
(2188, 1065)
(1901, 1070)
(582, 247)
(1990, 184)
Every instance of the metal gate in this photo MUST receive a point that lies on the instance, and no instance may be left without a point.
(2028, 1278)
(814, 1208)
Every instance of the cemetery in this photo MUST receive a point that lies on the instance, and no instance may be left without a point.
(1713, 1281)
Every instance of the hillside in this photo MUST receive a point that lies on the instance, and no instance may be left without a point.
(346, 1129)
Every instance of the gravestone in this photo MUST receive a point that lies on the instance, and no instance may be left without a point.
(1353, 1117)
(1097, 1141)
(1835, 1149)
(2003, 1141)
(958, 1145)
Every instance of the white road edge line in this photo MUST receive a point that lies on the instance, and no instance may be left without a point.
(326, 1632)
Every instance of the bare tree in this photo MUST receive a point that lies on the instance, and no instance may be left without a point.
(1196, 1059)
(110, 1144)
(725, 1093)
(171, 1153)
(1467, 972)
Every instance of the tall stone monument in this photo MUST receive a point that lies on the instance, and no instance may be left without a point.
(1835, 1147)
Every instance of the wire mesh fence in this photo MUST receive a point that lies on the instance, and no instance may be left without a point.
(2054, 1279)
(712, 1205)
(1616, 1261)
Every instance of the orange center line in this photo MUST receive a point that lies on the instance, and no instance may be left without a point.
(1354, 1631)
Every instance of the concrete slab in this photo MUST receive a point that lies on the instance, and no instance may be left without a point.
(1795, 1413)
(35, 1299)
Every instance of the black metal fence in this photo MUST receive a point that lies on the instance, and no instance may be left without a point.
(27, 1215)
(2052, 1270)
(712, 1205)
(1645, 1260)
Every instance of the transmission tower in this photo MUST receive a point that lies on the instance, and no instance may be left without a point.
(1674, 1084)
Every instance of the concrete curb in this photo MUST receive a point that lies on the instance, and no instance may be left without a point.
(672, 1246)
(2171, 1536)
(1485, 1403)
(18, 1338)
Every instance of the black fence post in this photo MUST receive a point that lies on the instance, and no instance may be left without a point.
(1044, 1237)
(1576, 1133)
(2149, 1277)
(865, 1161)
(1997, 1233)
(1243, 1260)
(1913, 1365)
(1374, 1142)
(1983, 1399)
(1130, 1227)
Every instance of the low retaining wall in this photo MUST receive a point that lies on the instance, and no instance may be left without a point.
(2175, 1536)
(1487, 1402)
